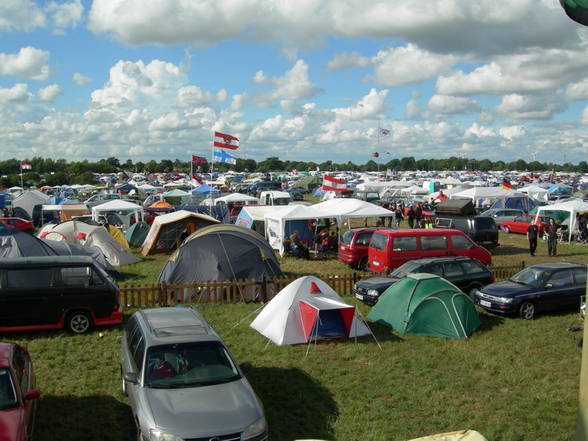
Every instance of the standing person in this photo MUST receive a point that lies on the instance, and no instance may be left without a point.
(418, 215)
(398, 216)
(551, 238)
(410, 217)
(532, 234)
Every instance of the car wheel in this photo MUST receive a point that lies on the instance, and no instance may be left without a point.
(472, 292)
(79, 322)
(363, 264)
(506, 229)
(527, 311)
(123, 384)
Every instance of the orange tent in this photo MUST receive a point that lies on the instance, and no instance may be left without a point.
(161, 204)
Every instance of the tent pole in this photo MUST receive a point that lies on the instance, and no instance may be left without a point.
(370, 329)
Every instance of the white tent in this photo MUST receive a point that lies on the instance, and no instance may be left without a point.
(477, 194)
(237, 198)
(118, 205)
(29, 199)
(574, 206)
(535, 192)
(305, 310)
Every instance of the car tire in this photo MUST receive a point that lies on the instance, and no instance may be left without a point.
(78, 322)
(471, 292)
(506, 229)
(527, 311)
(363, 264)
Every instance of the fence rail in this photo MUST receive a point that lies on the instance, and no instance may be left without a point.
(246, 290)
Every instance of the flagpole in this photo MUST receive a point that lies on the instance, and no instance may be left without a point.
(378, 148)
(21, 184)
(211, 169)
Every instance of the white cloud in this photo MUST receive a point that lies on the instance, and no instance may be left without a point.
(479, 131)
(412, 110)
(20, 15)
(51, 92)
(584, 118)
(191, 96)
(368, 107)
(64, 15)
(347, 60)
(408, 64)
(577, 91)
(452, 105)
(80, 79)
(29, 62)
(529, 106)
(17, 93)
(512, 132)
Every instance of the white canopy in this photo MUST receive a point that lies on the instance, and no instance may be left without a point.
(478, 193)
(574, 206)
(117, 205)
(237, 197)
(535, 192)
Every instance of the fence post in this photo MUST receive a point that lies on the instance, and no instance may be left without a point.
(264, 289)
(162, 294)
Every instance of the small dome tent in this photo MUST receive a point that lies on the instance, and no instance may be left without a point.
(221, 252)
(16, 243)
(305, 310)
(426, 304)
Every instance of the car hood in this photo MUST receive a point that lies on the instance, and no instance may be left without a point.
(506, 288)
(195, 412)
(377, 283)
(12, 425)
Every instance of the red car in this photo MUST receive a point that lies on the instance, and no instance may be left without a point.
(18, 223)
(428, 210)
(353, 247)
(521, 223)
(17, 393)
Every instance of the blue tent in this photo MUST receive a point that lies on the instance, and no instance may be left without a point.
(206, 189)
(524, 203)
(318, 192)
(559, 189)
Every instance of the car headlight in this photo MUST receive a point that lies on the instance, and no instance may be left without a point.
(255, 429)
(158, 435)
(373, 292)
(504, 299)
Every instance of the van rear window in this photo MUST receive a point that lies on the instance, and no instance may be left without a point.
(404, 243)
(347, 237)
(460, 242)
(30, 279)
(485, 223)
(378, 241)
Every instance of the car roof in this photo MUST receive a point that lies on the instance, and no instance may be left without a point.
(175, 325)
(45, 261)
(365, 229)
(428, 260)
(558, 265)
(420, 232)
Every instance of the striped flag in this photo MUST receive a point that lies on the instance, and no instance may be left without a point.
(225, 141)
(25, 166)
(222, 156)
(333, 184)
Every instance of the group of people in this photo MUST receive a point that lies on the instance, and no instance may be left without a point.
(414, 215)
(550, 232)
(323, 243)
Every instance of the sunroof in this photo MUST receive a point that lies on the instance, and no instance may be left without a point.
(173, 331)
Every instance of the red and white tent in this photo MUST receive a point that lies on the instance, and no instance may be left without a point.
(305, 310)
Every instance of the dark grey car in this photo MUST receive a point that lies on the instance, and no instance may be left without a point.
(182, 382)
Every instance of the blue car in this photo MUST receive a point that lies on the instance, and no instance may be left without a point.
(538, 288)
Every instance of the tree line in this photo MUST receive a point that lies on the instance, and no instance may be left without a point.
(47, 171)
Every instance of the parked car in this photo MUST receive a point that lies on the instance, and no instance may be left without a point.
(466, 273)
(18, 223)
(54, 292)
(353, 247)
(182, 382)
(502, 214)
(521, 223)
(538, 288)
(101, 198)
(17, 393)
(481, 229)
(389, 249)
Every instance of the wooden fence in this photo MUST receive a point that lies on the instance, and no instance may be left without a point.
(246, 290)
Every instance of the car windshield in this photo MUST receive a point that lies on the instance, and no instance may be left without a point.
(189, 365)
(530, 276)
(404, 270)
(346, 238)
(8, 398)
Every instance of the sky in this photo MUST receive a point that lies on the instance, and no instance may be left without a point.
(308, 80)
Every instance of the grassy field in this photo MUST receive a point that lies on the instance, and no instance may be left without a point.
(512, 380)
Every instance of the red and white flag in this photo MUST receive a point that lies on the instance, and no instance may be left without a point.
(197, 179)
(225, 141)
(333, 184)
(25, 166)
(198, 160)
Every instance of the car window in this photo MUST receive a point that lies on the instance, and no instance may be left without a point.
(470, 266)
(139, 353)
(378, 241)
(30, 278)
(460, 242)
(485, 223)
(189, 365)
(406, 243)
(530, 276)
(434, 268)
(364, 238)
(77, 276)
(453, 269)
(134, 343)
(412, 266)
(519, 219)
(347, 236)
(8, 398)
(433, 242)
(580, 276)
(561, 279)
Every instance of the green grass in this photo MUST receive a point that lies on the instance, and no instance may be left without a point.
(512, 380)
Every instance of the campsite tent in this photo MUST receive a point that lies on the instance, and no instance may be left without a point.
(426, 304)
(573, 206)
(119, 207)
(29, 199)
(77, 232)
(16, 243)
(519, 202)
(253, 217)
(62, 248)
(136, 234)
(221, 252)
(305, 310)
(481, 195)
(168, 230)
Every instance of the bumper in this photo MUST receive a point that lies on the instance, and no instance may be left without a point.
(368, 300)
(348, 259)
(497, 308)
(113, 319)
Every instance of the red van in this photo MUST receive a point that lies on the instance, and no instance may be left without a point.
(389, 249)
(353, 247)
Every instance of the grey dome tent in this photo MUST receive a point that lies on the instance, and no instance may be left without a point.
(16, 243)
(221, 252)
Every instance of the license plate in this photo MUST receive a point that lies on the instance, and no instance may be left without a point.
(485, 303)
(358, 296)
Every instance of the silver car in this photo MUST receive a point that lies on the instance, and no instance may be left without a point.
(182, 382)
(503, 214)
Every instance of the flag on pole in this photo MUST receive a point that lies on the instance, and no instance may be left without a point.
(25, 166)
(506, 185)
(225, 141)
(385, 132)
(375, 155)
(197, 179)
(198, 160)
(222, 156)
(333, 184)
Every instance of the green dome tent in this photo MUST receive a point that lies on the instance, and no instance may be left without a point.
(426, 304)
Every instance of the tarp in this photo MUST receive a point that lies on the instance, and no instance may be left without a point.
(77, 232)
(169, 230)
(305, 310)
(221, 252)
(426, 304)
(16, 243)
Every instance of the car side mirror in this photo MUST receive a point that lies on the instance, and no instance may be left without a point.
(32, 394)
(548, 285)
(131, 377)
(246, 367)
